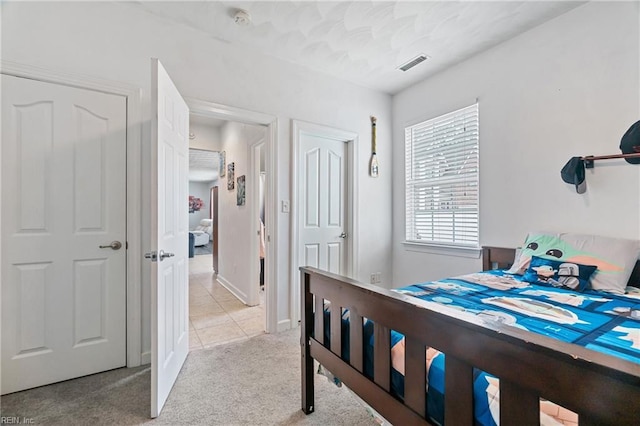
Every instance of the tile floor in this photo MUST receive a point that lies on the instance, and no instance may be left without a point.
(215, 315)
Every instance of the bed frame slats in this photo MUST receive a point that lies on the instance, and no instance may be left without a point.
(319, 320)
(458, 398)
(389, 407)
(518, 406)
(356, 355)
(336, 331)
(415, 380)
(382, 356)
(306, 327)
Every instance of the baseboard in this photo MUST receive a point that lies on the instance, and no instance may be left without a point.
(145, 358)
(284, 325)
(233, 289)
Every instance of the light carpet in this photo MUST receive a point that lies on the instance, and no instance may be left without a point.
(253, 382)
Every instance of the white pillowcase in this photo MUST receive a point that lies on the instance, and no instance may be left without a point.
(518, 268)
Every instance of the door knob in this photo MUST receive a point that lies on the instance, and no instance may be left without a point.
(162, 255)
(158, 257)
(115, 245)
(343, 235)
(151, 255)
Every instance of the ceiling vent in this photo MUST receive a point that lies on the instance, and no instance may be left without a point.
(413, 62)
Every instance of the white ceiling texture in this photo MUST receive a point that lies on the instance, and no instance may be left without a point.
(364, 42)
(203, 165)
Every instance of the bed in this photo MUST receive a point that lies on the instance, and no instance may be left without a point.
(602, 388)
(203, 233)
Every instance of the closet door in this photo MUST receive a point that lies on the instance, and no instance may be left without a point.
(63, 232)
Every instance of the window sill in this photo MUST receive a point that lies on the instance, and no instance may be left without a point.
(468, 252)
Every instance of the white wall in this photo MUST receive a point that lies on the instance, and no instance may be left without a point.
(115, 41)
(568, 87)
(206, 137)
(234, 236)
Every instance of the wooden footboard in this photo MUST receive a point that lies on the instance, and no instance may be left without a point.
(602, 389)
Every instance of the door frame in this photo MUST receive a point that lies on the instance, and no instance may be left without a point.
(225, 112)
(133, 272)
(298, 129)
(253, 176)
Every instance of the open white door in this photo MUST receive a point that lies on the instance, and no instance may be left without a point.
(169, 235)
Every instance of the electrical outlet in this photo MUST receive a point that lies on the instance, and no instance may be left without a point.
(373, 278)
(376, 278)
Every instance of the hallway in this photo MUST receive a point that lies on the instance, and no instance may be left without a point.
(216, 316)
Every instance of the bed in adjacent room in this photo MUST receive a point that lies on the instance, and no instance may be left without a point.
(554, 339)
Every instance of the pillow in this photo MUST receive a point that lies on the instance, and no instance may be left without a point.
(520, 264)
(615, 258)
(558, 273)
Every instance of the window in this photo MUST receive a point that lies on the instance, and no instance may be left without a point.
(442, 180)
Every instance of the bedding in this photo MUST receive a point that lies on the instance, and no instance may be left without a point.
(558, 273)
(603, 322)
(614, 257)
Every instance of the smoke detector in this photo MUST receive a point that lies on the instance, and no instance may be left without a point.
(242, 18)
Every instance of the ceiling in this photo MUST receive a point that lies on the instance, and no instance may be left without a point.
(206, 120)
(203, 165)
(364, 41)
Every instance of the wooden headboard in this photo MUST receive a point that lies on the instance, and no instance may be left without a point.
(502, 258)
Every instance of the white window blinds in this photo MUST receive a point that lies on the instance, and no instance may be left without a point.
(442, 179)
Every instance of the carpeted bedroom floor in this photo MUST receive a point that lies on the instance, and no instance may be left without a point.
(253, 382)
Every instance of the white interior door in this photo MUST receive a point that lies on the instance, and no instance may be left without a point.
(323, 190)
(63, 196)
(170, 238)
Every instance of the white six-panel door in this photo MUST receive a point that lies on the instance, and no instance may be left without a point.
(63, 196)
(322, 220)
(170, 234)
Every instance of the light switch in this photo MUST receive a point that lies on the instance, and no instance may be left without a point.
(285, 206)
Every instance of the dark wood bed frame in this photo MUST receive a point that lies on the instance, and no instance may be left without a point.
(601, 388)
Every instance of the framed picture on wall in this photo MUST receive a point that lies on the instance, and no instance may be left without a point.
(241, 191)
(223, 163)
(231, 176)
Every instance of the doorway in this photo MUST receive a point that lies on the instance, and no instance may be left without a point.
(225, 304)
